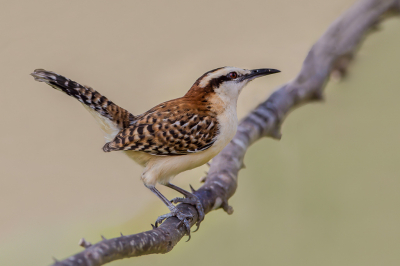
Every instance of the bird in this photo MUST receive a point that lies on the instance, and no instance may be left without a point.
(172, 137)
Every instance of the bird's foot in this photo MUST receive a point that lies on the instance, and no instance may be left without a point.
(183, 218)
(192, 200)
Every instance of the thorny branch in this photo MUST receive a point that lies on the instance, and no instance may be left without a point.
(329, 56)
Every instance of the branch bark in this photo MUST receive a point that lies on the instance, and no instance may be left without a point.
(329, 56)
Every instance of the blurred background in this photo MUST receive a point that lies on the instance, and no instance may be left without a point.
(326, 194)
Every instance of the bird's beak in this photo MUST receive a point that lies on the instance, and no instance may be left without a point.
(255, 73)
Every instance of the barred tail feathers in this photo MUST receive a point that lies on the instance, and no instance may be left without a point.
(110, 116)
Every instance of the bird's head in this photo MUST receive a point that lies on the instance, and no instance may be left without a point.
(227, 82)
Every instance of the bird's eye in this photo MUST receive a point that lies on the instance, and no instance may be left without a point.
(233, 75)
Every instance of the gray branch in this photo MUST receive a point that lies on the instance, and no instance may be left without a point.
(329, 57)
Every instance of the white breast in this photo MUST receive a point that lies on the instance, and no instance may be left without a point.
(228, 125)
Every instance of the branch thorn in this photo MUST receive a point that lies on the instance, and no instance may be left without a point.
(83, 243)
(228, 209)
(318, 95)
(276, 133)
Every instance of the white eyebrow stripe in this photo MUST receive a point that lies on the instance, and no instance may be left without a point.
(218, 73)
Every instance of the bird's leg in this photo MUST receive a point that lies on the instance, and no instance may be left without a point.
(189, 199)
(184, 218)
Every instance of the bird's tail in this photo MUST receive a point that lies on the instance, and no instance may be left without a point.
(110, 116)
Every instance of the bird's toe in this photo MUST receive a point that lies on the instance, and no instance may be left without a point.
(184, 219)
(193, 200)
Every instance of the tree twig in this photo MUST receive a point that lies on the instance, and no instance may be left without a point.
(329, 56)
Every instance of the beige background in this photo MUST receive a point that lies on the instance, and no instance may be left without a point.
(326, 194)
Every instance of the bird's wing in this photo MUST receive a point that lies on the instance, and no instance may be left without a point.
(177, 127)
(110, 116)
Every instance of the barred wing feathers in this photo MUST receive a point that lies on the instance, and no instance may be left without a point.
(177, 127)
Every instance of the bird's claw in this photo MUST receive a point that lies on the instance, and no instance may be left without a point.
(193, 200)
(184, 219)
